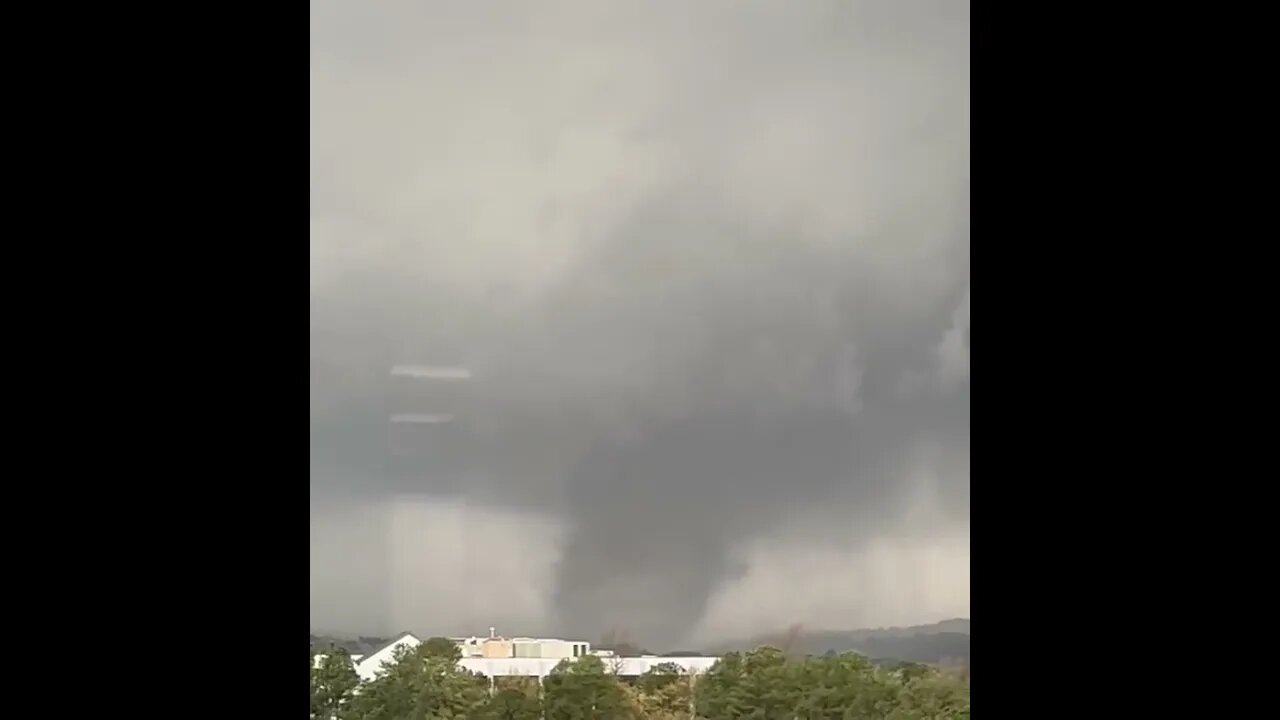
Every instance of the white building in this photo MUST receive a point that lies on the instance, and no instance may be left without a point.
(552, 648)
(548, 648)
(369, 665)
(495, 646)
(551, 652)
(541, 667)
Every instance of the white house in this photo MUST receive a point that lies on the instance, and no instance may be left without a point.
(369, 665)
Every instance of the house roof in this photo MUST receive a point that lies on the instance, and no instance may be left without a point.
(396, 641)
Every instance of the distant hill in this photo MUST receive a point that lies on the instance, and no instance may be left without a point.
(355, 645)
(946, 642)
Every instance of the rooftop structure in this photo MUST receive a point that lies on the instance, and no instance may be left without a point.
(496, 646)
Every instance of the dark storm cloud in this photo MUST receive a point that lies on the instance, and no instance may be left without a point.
(707, 262)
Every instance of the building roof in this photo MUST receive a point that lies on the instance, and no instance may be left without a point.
(367, 667)
(541, 667)
(398, 640)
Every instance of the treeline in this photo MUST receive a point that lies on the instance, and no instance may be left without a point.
(946, 642)
(361, 645)
(425, 683)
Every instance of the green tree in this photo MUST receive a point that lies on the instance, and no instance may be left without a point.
(333, 684)
(527, 684)
(664, 692)
(511, 704)
(756, 684)
(716, 695)
(441, 647)
(659, 676)
(843, 687)
(766, 685)
(583, 690)
(418, 684)
(932, 696)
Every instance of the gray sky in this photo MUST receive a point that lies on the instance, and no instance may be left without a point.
(708, 264)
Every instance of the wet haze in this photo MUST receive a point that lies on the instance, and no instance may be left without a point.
(708, 266)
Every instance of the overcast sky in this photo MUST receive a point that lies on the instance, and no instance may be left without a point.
(708, 265)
